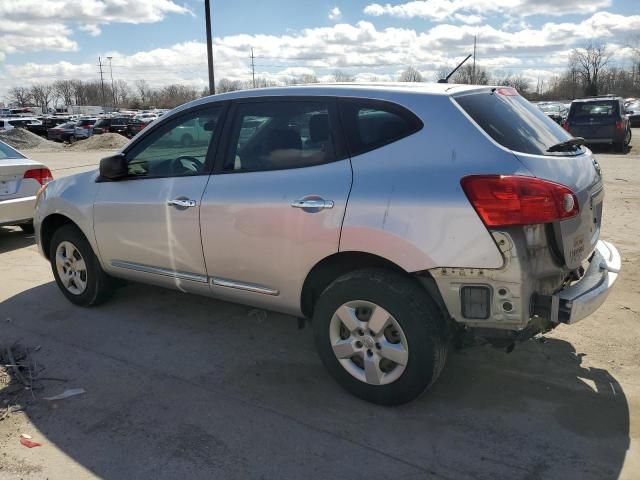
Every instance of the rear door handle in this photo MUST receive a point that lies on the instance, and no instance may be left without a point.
(182, 203)
(313, 204)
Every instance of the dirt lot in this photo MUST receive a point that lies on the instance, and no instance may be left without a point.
(182, 386)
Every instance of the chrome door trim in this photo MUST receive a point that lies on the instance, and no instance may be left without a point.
(138, 267)
(249, 287)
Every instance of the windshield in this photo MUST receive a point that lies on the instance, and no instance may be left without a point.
(513, 121)
(550, 108)
(7, 152)
(603, 108)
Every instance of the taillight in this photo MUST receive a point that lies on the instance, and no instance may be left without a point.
(42, 175)
(619, 125)
(565, 125)
(503, 200)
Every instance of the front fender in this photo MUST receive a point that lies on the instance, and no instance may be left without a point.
(72, 197)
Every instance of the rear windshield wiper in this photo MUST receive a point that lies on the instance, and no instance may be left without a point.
(567, 145)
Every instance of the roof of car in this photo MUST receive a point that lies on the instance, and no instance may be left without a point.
(597, 99)
(350, 89)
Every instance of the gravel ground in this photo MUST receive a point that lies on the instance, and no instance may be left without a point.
(22, 139)
(184, 386)
(105, 141)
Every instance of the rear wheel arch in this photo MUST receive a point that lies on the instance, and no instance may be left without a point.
(334, 266)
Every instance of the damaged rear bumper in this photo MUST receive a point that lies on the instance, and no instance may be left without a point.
(585, 296)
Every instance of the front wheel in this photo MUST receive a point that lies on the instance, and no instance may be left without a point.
(380, 336)
(77, 270)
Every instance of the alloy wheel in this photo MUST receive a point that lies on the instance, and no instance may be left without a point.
(368, 342)
(71, 268)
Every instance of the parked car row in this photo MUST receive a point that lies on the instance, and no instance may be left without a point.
(68, 128)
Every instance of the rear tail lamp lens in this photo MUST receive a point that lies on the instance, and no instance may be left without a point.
(42, 175)
(565, 125)
(503, 200)
(619, 125)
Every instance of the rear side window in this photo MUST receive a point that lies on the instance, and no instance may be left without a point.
(602, 108)
(513, 121)
(370, 124)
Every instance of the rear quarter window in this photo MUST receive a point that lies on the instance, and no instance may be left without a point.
(371, 124)
(512, 121)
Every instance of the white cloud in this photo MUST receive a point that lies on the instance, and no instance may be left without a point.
(360, 49)
(38, 25)
(335, 14)
(439, 10)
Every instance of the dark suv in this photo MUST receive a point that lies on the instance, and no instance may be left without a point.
(599, 120)
(126, 126)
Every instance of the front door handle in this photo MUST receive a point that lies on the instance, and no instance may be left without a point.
(313, 204)
(182, 203)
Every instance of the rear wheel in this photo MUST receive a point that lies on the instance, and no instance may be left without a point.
(380, 336)
(77, 270)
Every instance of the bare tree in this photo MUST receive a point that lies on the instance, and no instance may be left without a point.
(518, 82)
(226, 85)
(21, 96)
(589, 63)
(341, 77)
(441, 74)
(42, 94)
(144, 91)
(410, 75)
(64, 89)
(122, 92)
(465, 74)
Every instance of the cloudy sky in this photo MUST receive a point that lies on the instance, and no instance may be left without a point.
(162, 41)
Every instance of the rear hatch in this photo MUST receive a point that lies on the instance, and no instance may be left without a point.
(529, 134)
(593, 120)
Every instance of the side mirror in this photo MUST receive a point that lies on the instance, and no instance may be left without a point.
(113, 167)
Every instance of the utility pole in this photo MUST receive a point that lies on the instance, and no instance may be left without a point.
(113, 90)
(473, 74)
(207, 14)
(253, 68)
(102, 82)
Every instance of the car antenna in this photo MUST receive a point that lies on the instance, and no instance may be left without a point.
(446, 79)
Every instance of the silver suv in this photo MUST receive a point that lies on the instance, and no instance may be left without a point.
(397, 218)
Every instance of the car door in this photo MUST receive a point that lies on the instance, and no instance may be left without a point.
(275, 204)
(147, 224)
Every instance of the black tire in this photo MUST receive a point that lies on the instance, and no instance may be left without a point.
(72, 139)
(100, 286)
(424, 326)
(27, 228)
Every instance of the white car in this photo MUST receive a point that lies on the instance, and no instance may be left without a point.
(12, 122)
(20, 180)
